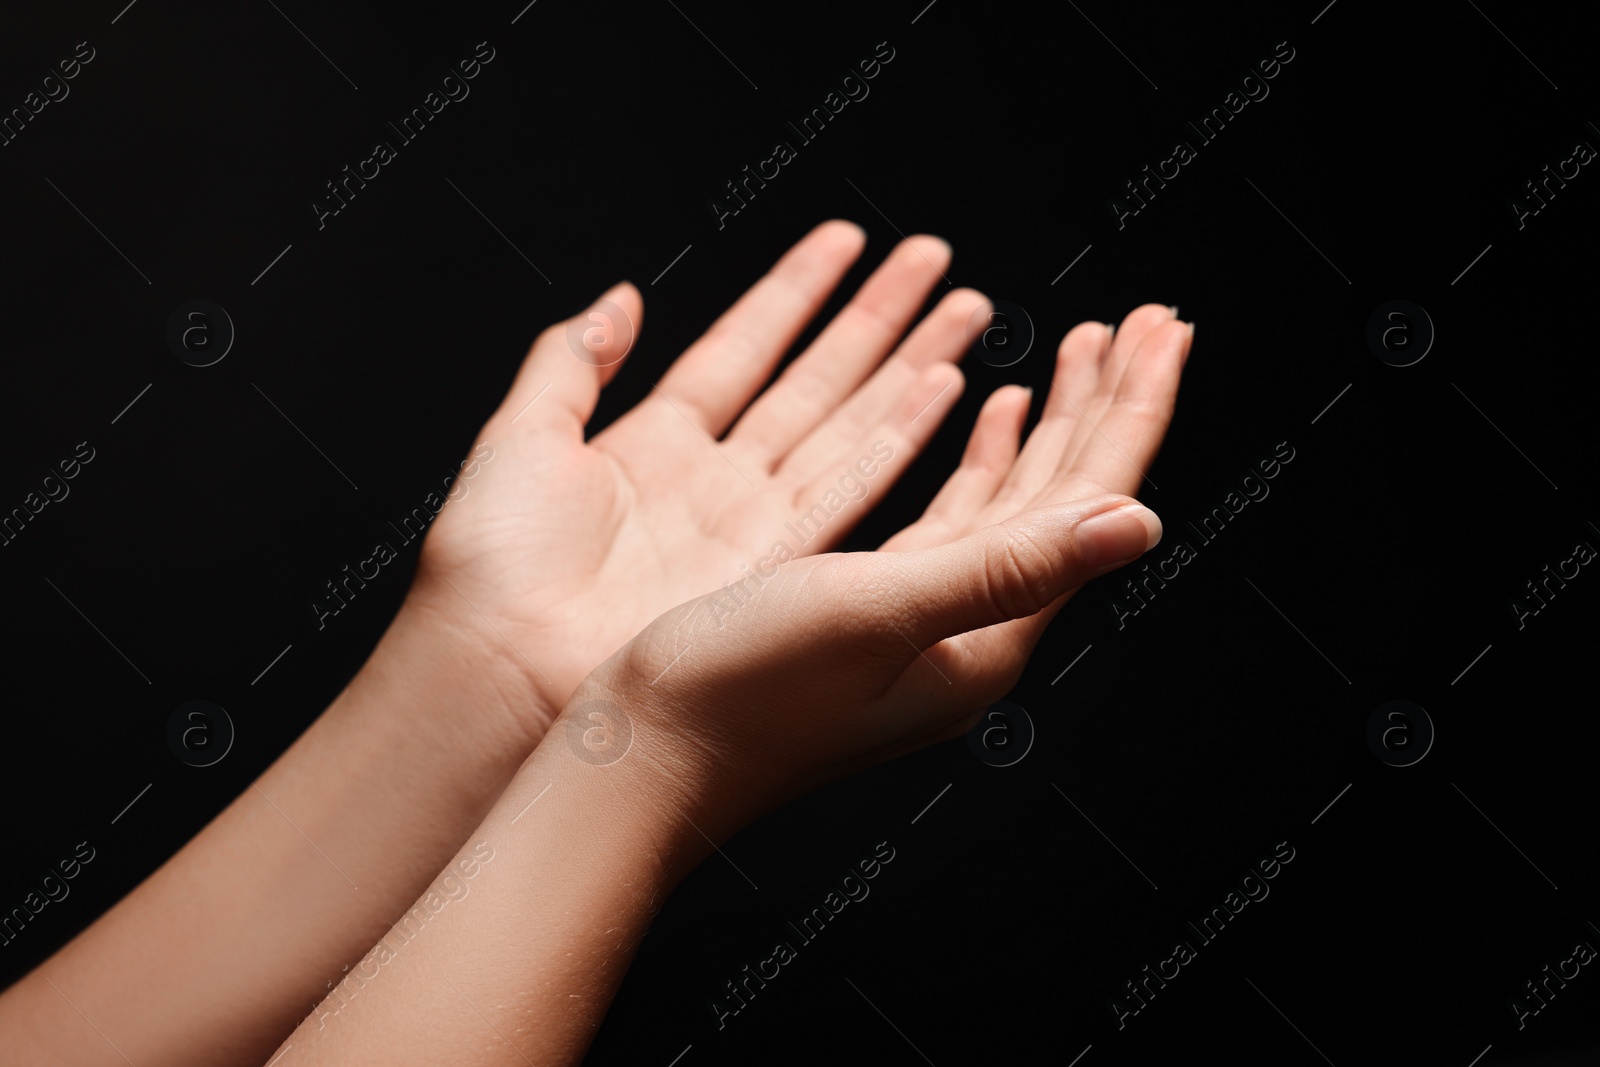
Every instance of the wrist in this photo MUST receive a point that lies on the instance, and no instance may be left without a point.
(640, 779)
(433, 679)
(456, 659)
(679, 797)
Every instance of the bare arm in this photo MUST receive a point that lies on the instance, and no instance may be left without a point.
(229, 944)
(515, 952)
(707, 719)
(546, 559)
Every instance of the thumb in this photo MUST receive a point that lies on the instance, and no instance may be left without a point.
(571, 361)
(1013, 569)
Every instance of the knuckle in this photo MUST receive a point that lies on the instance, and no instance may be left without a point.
(640, 662)
(1010, 498)
(812, 388)
(1018, 572)
(1143, 412)
(730, 341)
(645, 662)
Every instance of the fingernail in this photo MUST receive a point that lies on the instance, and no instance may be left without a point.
(1174, 309)
(1111, 328)
(1118, 536)
(1191, 331)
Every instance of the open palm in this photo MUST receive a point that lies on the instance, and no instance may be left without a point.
(567, 547)
(845, 659)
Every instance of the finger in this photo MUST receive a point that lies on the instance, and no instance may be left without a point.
(990, 452)
(877, 460)
(990, 595)
(1138, 325)
(974, 677)
(1130, 430)
(1135, 325)
(968, 673)
(1011, 570)
(718, 375)
(983, 666)
(943, 336)
(960, 678)
(560, 379)
(846, 351)
(1077, 374)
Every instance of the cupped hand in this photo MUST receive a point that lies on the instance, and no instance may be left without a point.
(838, 661)
(560, 549)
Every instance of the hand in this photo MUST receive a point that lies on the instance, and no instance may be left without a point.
(839, 661)
(735, 701)
(560, 550)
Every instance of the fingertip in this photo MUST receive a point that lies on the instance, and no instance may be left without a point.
(1118, 534)
(1173, 337)
(967, 299)
(604, 333)
(946, 375)
(842, 232)
(1142, 329)
(971, 308)
(936, 250)
(625, 295)
(1158, 312)
(1017, 398)
(1089, 334)
(938, 388)
(844, 224)
(1005, 408)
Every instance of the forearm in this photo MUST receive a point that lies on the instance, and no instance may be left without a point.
(518, 961)
(295, 879)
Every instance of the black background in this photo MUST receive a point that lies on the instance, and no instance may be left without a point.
(1222, 719)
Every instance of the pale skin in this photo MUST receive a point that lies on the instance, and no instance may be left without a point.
(565, 553)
